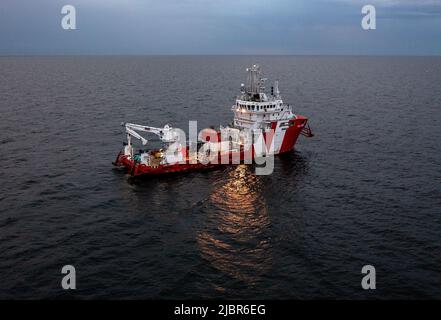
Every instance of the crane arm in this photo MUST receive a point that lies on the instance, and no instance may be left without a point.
(166, 134)
(138, 127)
(136, 135)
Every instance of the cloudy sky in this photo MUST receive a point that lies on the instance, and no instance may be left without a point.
(408, 27)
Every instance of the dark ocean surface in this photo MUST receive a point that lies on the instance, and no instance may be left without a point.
(365, 190)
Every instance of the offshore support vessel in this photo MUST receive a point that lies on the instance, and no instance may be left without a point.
(263, 125)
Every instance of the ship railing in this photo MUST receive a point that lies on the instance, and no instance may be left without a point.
(283, 114)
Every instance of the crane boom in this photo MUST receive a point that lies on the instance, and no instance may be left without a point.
(166, 134)
(136, 135)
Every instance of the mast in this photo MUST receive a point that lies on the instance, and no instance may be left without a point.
(255, 83)
(276, 92)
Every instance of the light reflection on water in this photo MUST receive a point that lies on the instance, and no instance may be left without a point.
(235, 240)
(230, 233)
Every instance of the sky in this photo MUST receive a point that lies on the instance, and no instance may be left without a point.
(143, 27)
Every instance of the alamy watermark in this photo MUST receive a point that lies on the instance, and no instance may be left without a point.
(69, 20)
(212, 147)
(369, 20)
(69, 281)
(369, 281)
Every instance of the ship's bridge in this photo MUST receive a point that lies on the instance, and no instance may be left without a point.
(254, 109)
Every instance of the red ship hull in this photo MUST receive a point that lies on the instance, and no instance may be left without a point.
(298, 126)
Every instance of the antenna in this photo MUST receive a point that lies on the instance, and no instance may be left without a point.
(255, 84)
(276, 89)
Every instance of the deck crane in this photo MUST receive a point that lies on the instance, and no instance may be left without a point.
(166, 134)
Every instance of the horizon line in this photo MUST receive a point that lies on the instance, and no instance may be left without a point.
(221, 55)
